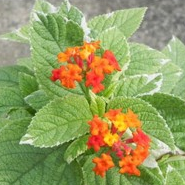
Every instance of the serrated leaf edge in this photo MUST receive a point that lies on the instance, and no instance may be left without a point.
(31, 141)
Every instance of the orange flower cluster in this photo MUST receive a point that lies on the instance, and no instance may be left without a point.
(82, 63)
(131, 151)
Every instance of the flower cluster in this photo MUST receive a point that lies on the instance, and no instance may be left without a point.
(83, 63)
(110, 133)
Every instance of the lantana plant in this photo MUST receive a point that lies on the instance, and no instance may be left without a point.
(90, 107)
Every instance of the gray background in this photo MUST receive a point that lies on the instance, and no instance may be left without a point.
(163, 19)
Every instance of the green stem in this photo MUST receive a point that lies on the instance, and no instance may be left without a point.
(86, 91)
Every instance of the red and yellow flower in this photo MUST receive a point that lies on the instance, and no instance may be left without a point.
(83, 63)
(131, 152)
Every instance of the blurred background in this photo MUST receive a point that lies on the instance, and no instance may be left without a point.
(163, 19)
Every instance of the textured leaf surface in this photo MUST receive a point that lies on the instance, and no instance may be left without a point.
(23, 164)
(17, 113)
(138, 85)
(173, 177)
(44, 7)
(144, 60)
(58, 122)
(51, 35)
(71, 12)
(76, 148)
(20, 35)
(113, 40)
(37, 99)
(175, 50)
(176, 163)
(10, 98)
(97, 105)
(27, 84)
(26, 62)
(171, 75)
(148, 176)
(9, 75)
(23, 34)
(172, 110)
(152, 123)
(127, 21)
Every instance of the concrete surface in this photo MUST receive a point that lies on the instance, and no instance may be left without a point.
(163, 19)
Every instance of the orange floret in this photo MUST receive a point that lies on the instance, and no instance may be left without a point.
(128, 165)
(67, 54)
(97, 126)
(101, 66)
(62, 57)
(112, 113)
(92, 46)
(103, 164)
(84, 54)
(70, 74)
(141, 153)
(88, 49)
(132, 119)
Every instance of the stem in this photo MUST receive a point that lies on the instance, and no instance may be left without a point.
(86, 91)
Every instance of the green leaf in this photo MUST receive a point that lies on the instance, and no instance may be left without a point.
(71, 12)
(113, 40)
(171, 75)
(10, 98)
(97, 104)
(23, 34)
(43, 6)
(49, 37)
(127, 21)
(109, 90)
(53, 29)
(176, 163)
(138, 85)
(175, 50)
(37, 99)
(58, 122)
(26, 62)
(76, 148)
(179, 89)
(173, 177)
(144, 60)
(113, 177)
(17, 113)
(172, 110)
(9, 75)
(152, 122)
(27, 84)
(23, 164)
(20, 35)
